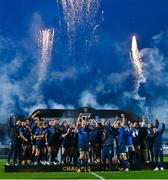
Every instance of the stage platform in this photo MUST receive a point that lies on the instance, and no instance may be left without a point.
(70, 168)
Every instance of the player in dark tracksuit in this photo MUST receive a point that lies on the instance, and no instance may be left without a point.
(15, 149)
(108, 134)
(157, 147)
(150, 141)
(51, 140)
(65, 146)
(73, 145)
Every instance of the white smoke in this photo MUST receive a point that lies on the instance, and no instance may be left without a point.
(18, 92)
(155, 69)
(54, 105)
(45, 41)
(154, 64)
(89, 99)
(69, 73)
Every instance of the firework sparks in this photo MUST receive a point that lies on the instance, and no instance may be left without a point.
(137, 62)
(80, 15)
(45, 41)
(138, 68)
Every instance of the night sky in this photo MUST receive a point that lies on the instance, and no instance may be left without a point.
(97, 74)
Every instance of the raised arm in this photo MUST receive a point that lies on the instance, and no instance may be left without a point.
(123, 120)
(156, 122)
(77, 123)
(115, 121)
(35, 114)
(11, 121)
(162, 128)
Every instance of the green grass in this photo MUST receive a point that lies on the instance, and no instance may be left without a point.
(135, 175)
(166, 159)
(147, 174)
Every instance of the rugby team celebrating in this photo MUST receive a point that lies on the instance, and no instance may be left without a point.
(87, 140)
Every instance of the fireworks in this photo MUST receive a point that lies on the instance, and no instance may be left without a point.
(45, 41)
(139, 74)
(137, 62)
(79, 16)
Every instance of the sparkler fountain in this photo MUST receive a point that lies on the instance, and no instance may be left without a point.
(139, 74)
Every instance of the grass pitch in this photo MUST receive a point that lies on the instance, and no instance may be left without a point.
(147, 174)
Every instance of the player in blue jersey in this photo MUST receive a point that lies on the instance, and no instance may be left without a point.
(25, 135)
(121, 141)
(83, 139)
(50, 139)
(34, 119)
(39, 136)
(129, 142)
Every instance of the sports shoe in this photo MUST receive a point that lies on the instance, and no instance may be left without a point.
(48, 163)
(55, 163)
(126, 170)
(7, 164)
(156, 169)
(161, 168)
(35, 163)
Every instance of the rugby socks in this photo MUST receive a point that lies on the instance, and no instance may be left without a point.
(49, 157)
(126, 163)
(36, 159)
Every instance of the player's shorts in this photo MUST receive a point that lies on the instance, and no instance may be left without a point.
(130, 148)
(121, 148)
(39, 144)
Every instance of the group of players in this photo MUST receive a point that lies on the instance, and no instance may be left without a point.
(86, 141)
